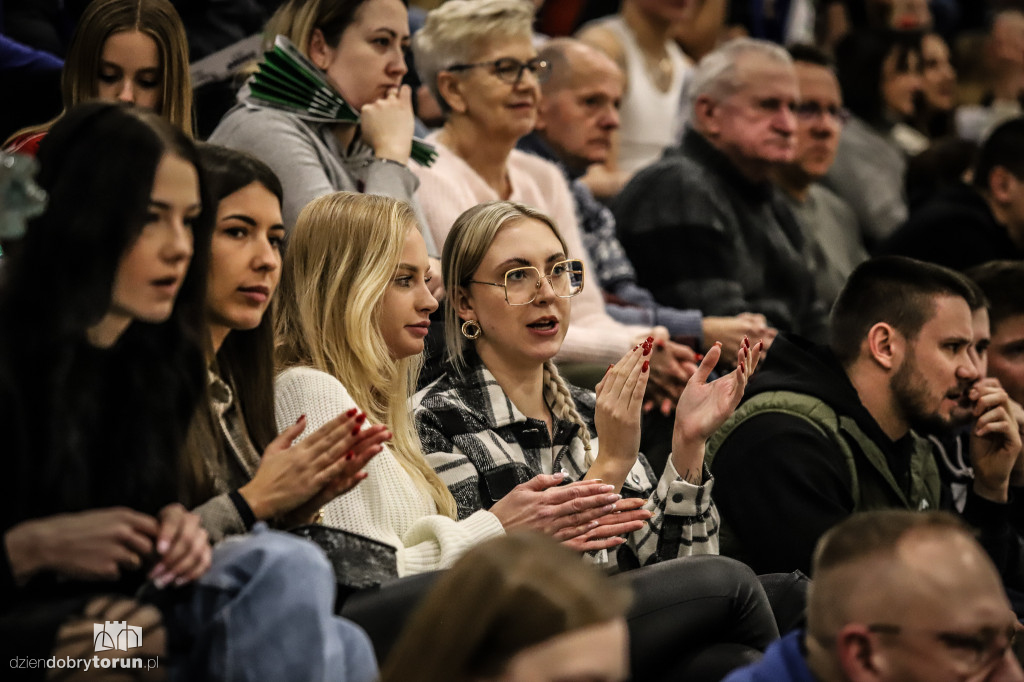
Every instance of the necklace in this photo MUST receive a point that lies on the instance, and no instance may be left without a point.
(659, 69)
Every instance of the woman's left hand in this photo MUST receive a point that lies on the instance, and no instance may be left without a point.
(183, 547)
(387, 125)
(703, 406)
(628, 517)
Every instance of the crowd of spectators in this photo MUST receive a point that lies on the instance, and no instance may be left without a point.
(694, 350)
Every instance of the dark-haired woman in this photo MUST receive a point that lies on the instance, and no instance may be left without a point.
(225, 472)
(96, 395)
(880, 76)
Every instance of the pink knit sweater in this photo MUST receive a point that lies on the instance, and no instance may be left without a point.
(450, 186)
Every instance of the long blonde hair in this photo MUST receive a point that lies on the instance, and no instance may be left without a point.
(464, 249)
(341, 257)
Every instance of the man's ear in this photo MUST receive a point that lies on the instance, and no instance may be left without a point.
(885, 345)
(1002, 184)
(705, 116)
(543, 107)
(856, 655)
(449, 87)
(320, 53)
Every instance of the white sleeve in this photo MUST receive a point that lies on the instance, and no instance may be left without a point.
(387, 506)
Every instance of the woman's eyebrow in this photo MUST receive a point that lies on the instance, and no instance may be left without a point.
(241, 216)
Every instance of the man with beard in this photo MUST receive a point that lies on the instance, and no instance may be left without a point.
(825, 432)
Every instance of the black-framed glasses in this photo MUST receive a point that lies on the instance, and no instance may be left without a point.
(977, 650)
(523, 284)
(510, 69)
(811, 110)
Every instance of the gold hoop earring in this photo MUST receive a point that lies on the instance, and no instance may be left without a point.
(471, 329)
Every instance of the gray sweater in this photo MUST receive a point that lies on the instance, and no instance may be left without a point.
(310, 163)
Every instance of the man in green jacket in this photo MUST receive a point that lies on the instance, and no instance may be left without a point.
(826, 431)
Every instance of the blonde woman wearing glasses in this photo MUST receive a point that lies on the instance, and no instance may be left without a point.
(501, 415)
(355, 310)
(479, 60)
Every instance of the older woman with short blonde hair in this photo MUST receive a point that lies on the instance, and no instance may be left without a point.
(479, 59)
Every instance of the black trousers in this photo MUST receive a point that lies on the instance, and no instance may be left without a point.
(694, 618)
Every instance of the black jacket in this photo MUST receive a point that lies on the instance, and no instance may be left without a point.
(780, 482)
(708, 238)
(956, 229)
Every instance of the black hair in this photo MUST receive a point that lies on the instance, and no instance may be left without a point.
(1003, 284)
(809, 54)
(860, 58)
(893, 289)
(245, 361)
(1003, 147)
(88, 428)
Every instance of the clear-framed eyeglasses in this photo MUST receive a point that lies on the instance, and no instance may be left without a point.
(523, 284)
(510, 69)
(976, 651)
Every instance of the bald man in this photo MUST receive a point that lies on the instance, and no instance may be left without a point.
(577, 117)
(898, 596)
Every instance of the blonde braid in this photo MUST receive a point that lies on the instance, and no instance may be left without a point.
(562, 404)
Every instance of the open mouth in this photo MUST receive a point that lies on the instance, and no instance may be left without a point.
(165, 282)
(546, 324)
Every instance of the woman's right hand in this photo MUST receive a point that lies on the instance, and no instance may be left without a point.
(290, 475)
(92, 545)
(387, 125)
(617, 415)
(562, 512)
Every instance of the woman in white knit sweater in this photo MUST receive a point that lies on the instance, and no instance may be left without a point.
(354, 312)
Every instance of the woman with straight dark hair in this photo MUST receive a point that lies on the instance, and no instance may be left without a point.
(225, 472)
(132, 51)
(880, 77)
(96, 396)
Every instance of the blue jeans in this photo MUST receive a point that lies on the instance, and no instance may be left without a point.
(264, 611)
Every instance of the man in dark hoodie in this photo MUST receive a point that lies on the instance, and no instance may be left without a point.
(824, 432)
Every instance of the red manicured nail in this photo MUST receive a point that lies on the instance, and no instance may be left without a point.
(761, 344)
(650, 339)
(301, 417)
(352, 412)
(360, 419)
(698, 357)
(349, 454)
(743, 367)
(646, 366)
(647, 349)
(355, 431)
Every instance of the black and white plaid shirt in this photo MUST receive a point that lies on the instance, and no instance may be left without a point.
(482, 446)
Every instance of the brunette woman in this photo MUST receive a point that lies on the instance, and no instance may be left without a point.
(96, 396)
(226, 474)
(131, 51)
